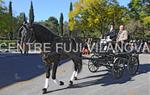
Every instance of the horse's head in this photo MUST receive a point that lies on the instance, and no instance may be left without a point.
(26, 33)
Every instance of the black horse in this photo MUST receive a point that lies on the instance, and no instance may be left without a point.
(40, 34)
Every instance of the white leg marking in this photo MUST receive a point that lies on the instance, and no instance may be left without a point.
(56, 81)
(46, 83)
(72, 77)
(76, 74)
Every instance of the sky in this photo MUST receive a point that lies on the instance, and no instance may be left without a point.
(46, 8)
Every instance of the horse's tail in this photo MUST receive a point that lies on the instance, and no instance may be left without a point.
(80, 63)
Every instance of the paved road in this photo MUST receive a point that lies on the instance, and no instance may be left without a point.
(18, 67)
(100, 83)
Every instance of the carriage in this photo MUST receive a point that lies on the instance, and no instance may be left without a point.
(116, 62)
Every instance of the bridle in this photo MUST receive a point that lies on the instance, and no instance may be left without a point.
(28, 29)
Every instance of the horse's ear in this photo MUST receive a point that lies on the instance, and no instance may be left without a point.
(27, 21)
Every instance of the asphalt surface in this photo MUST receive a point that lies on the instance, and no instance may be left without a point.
(100, 83)
(18, 67)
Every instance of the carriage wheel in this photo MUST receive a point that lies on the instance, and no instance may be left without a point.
(133, 65)
(92, 64)
(92, 67)
(118, 68)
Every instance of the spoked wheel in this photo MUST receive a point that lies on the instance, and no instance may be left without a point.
(133, 65)
(92, 64)
(118, 68)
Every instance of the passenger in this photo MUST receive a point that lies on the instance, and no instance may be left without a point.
(122, 35)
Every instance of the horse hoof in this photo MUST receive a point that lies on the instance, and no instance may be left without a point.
(71, 83)
(75, 78)
(44, 90)
(61, 83)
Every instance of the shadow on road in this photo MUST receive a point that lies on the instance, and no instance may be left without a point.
(107, 79)
(57, 90)
(17, 67)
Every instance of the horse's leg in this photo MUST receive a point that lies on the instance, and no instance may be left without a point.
(77, 68)
(79, 65)
(48, 68)
(54, 71)
(74, 74)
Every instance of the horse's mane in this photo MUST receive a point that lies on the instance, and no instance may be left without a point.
(45, 28)
(50, 34)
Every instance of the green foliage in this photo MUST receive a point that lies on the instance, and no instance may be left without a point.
(53, 20)
(92, 17)
(61, 21)
(10, 21)
(86, 18)
(65, 29)
(21, 18)
(10, 9)
(52, 24)
(31, 14)
(140, 10)
(24, 18)
(147, 35)
(70, 10)
(4, 20)
(95, 15)
(2, 7)
(5, 43)
(71, 7)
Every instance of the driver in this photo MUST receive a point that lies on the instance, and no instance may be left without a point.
(112, 33)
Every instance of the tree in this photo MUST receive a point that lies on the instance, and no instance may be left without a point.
(31, 14)
(2, 7)
(66, 30)
(52, 24)
(135, 28)
(70, 10)
(135, 9)
(139, 10)
(93, 16)
(24, 18)
(3, 19)
(8, 23)
(71, 7)
(21, 18)
(11, 21)
(61, 21)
